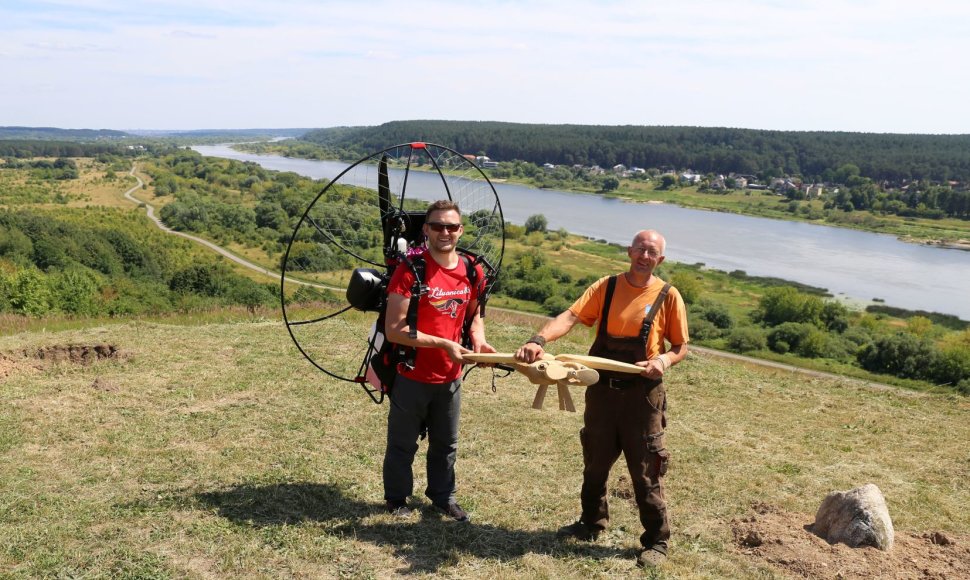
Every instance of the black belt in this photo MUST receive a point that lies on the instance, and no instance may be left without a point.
(622, 384)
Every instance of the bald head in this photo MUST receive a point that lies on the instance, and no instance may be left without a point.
(652, 238)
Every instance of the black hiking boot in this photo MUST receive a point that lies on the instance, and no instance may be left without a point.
(398, 508)
(578, 530)
(453, 511)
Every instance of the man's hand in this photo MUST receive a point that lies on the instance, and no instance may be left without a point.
(483, 347)
(654, 368)
(455, 351)
(529, 352)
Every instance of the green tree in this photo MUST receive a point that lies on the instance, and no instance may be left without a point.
(75, 291)
(29, 293)
(536, 223)
(610, 183)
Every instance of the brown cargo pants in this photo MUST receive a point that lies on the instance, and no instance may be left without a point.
(628, 416)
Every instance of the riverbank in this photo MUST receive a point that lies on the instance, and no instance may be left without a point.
(944, 233)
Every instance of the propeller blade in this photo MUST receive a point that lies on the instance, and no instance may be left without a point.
(384, 197)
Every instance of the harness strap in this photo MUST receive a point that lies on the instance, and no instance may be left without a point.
(647, 320)
(418, 289)
(605, 315)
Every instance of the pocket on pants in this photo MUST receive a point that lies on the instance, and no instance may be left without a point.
(657, 456)
(663, 462)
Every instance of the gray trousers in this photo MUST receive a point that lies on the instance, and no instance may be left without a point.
(414, 405)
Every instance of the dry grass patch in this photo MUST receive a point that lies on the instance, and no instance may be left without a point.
(92, 188)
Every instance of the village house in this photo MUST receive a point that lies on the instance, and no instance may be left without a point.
(691, 178)
(485, 161)
(813, 190)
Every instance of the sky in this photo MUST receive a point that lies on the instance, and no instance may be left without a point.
(893, 66)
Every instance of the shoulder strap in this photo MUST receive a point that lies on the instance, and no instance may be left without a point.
(648, 319)
(418, 289)
(471, 272)
(605, 315)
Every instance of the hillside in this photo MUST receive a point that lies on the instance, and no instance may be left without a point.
(58, 134)
(216, 451)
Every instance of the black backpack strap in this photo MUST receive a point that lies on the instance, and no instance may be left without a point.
(657, 304)
(418, 289)
(471, 272)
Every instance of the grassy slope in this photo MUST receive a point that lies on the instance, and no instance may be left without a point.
(216, 451)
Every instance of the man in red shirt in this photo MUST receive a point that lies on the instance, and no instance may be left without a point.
(428, 395)
(637, 313)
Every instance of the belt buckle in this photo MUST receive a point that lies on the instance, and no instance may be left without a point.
(618, 384)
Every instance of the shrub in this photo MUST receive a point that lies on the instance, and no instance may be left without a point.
(835, 316)
(251, 294)
(28, 292)
(815, 344)
(717, 314)
(902, 354)
(554, 305)
(75, 291)
(788, 336)
(746, 339)
(857, 335)
(786, 304)
(701, 328)
(687, 285)
(206, 280)
(952, 367)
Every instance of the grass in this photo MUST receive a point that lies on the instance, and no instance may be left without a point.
(214, 450)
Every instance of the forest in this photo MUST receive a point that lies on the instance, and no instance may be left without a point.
(814, 155)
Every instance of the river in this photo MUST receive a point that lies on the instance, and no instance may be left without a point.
(853, 265)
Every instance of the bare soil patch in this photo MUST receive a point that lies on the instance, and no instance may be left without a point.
(83, 354)
(28, 360)
(784, 540)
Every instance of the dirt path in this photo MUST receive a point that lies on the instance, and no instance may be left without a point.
(790, 368)
(150, 211)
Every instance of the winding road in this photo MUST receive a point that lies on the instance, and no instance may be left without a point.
(150, 211)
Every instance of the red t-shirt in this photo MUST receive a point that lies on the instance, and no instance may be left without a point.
(441, 312)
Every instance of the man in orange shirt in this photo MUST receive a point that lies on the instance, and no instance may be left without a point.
(637, 313)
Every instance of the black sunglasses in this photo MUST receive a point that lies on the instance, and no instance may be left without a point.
(439, 227)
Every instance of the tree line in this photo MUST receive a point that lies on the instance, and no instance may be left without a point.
(814, 155)
(27, 148)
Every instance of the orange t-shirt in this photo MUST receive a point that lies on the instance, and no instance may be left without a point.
(628, 309)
